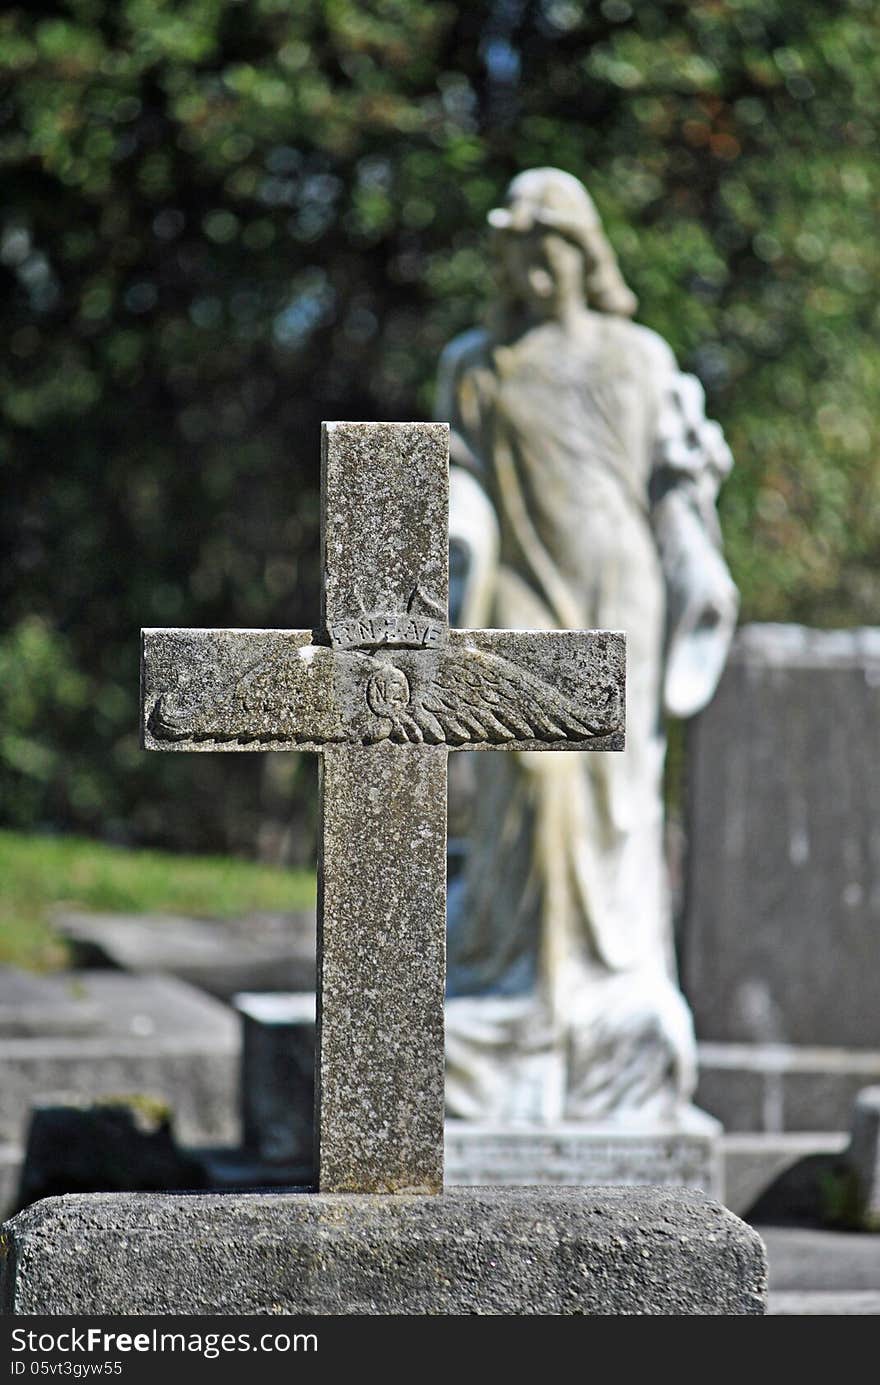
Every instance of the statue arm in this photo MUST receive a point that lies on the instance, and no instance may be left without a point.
(473, 525)
(691, 459)
(456, 401)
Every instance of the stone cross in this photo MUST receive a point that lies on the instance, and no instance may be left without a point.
(382, 689)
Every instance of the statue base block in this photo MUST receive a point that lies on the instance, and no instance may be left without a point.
(594, 1251)
(685, 1154)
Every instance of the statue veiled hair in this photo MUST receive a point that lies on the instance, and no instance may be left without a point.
(557, 201)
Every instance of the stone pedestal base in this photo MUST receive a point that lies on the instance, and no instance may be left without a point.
(511, 1251)
(571, 1153)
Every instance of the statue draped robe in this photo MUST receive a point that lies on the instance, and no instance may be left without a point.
(585, 500)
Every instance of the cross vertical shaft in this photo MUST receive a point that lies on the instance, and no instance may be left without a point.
(382, 869)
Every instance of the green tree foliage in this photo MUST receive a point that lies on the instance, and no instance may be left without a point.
(225, 221)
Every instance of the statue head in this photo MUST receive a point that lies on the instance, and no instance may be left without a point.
(548, 216)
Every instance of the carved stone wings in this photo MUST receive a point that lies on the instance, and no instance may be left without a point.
(458, 695)
(477, 696)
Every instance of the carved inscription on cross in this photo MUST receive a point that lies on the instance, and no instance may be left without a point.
(383, 689)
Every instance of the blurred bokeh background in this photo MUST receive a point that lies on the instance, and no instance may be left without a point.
(224, 222)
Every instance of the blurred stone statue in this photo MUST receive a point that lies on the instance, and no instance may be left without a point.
(583, 496)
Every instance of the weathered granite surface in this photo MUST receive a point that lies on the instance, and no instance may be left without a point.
(781, 927)
(384, 526)
(154, 1035)
(382, 906)
(382, 970)
(493, 1251)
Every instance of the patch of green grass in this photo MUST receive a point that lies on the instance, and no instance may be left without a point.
(37, 873)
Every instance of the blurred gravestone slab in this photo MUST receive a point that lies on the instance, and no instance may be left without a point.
(278, 1076)
(781, 927)
(824, 1303)
(687, 1154)
(758, 1166)
(773, 1088)
(260, 951)
(815, 1272)
(34, 1005)
(153, 1036)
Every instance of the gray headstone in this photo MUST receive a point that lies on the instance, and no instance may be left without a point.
(384, 689)
(385, 497)
(156, 1036)
(781, 928)
(755, 1166)
(380, 1046)
(515, 1251)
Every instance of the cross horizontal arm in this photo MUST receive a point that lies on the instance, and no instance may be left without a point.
(406, 682)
